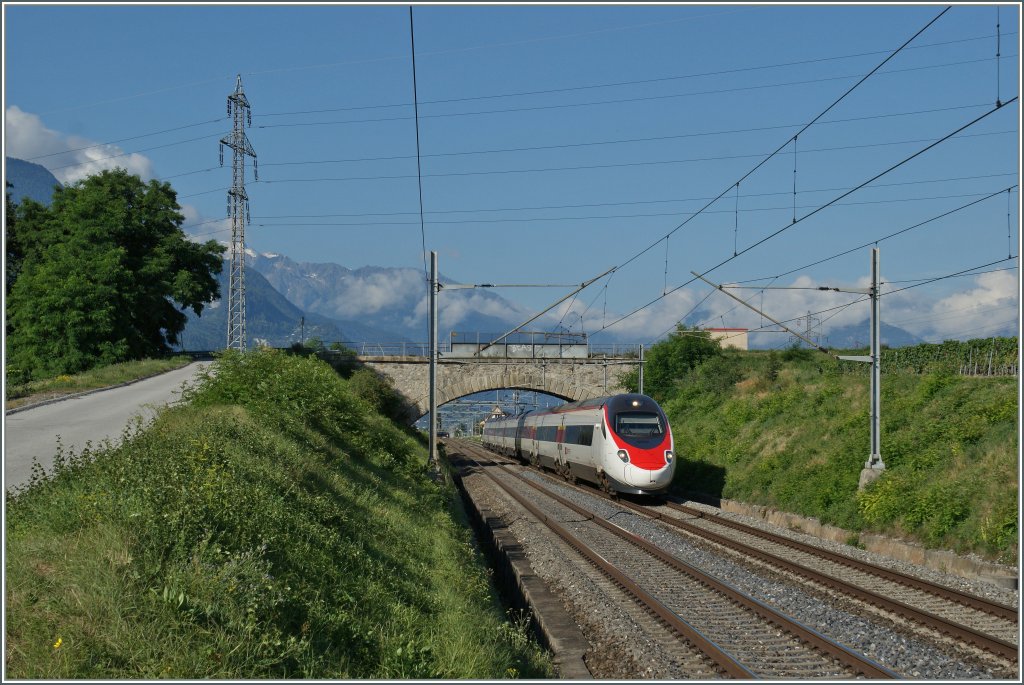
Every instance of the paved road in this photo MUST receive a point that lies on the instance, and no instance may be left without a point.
(94, 417)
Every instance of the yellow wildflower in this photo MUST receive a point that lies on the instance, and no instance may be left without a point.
(58, 643)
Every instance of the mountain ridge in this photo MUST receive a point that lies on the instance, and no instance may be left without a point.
(30, 180)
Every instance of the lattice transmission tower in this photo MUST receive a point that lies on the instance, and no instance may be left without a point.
(238, 210)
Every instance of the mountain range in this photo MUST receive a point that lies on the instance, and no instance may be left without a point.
(29, 180)
(389, 305)
(373, 300)
(286, 300)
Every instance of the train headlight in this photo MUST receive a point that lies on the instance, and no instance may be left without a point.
(623, 455)
(668, 456)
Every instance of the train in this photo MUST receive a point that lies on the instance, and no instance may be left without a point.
(621, 443)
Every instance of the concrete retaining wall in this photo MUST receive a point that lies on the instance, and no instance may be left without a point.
(940, 560)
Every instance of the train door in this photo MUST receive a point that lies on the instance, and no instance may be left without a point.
(560, 446)
(517, 447)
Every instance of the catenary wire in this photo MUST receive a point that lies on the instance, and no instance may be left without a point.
(878, 240)
(806, 216)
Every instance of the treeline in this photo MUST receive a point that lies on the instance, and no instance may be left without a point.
(101, 276)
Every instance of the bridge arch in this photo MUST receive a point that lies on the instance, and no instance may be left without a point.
(568, 380)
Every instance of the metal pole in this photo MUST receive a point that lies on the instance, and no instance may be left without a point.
(433, 358)
(641, 375)
(875, 460)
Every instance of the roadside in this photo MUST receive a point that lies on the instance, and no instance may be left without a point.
(35, 436)
(37, 393)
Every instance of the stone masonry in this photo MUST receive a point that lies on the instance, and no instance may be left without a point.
(568, 379)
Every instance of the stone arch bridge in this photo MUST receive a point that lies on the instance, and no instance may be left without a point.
(570, 379)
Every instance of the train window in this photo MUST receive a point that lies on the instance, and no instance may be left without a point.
(639, 424)
(586, 435)
(579, 435)
(546, 433)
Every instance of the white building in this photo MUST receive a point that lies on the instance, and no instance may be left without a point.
(730, 337)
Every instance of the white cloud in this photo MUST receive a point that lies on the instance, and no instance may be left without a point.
(370, 293)
(26, 137)
(988, 306)
(648, 324)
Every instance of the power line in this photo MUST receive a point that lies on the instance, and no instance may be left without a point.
(645, 215)
(619, 165)
(125, 154)
(649, 98)
(121, 140)
(614, 204)
(806, 216)
(549, 91)
(622, 141)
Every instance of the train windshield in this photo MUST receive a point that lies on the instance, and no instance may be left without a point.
(639, 425)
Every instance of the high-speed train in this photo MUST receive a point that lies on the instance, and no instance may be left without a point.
(622, 443)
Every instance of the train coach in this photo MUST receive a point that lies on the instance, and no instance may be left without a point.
(622, 443)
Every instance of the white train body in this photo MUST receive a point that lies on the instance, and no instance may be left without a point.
(622, 442)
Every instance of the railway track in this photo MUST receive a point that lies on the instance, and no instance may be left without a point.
(966, 620)
(743, 637)
(988, 625)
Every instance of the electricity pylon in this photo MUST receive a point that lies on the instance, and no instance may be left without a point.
(238, 210)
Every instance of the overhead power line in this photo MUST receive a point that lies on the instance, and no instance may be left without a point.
(616, 204)
(621, 141)
(133, 152)
(648, 98)
(615, 84)
(806, 216)
(619, 165)
(121, 140)
(646, 215)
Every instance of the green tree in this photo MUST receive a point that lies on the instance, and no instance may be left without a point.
(670, 359)
(12, 254)
(105, 276)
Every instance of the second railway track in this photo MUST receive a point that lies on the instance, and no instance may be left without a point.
(963, 618)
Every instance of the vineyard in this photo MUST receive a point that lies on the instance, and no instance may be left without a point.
(977, 357)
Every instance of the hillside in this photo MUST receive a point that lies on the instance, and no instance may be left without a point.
(29, 180)
(791, 431)
(272, 527)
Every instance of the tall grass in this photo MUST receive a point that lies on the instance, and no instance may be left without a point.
(791, 431)
(275, 527)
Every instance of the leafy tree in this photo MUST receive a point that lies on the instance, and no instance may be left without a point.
(105, 276)
(670, 359)
(12, 256)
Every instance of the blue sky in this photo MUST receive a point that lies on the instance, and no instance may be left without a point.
(561, 141)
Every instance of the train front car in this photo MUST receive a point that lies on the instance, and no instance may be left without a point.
(638, 454)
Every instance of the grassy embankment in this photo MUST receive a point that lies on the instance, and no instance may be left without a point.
(790, 430)
(18, 395)
(275, 527)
